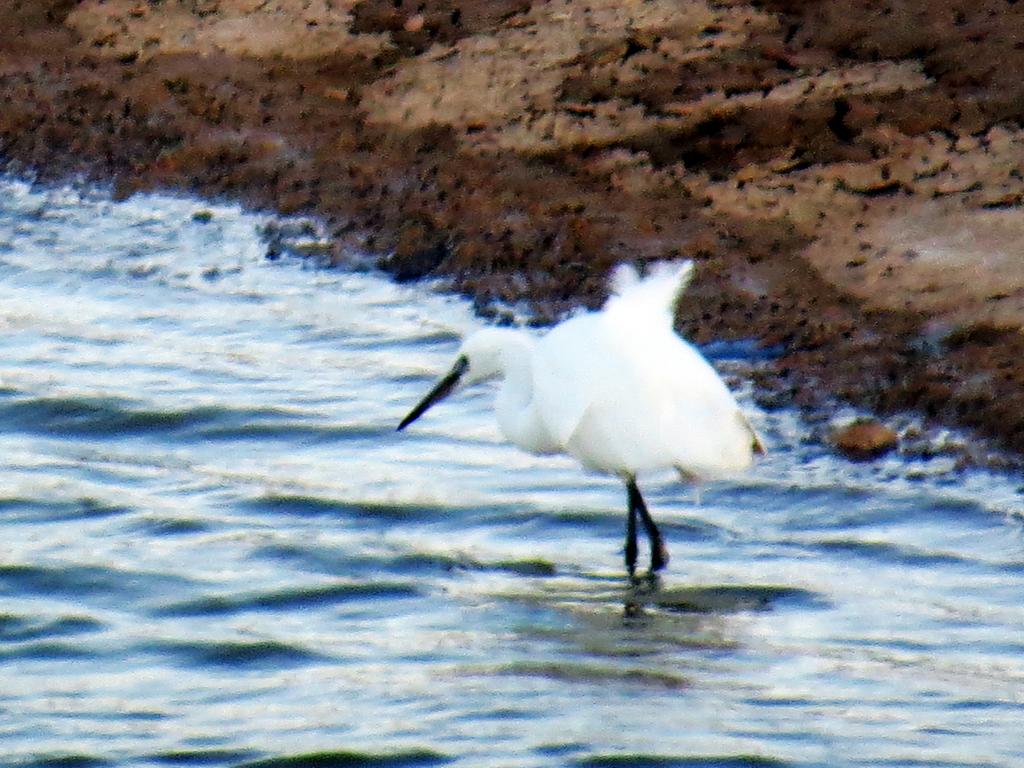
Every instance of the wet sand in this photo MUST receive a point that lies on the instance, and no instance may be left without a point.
(848, 176)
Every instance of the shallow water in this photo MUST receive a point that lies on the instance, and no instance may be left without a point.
(215, 550)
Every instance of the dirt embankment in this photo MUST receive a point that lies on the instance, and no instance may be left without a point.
(849, 176)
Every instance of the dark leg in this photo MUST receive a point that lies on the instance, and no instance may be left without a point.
(659, 553)
(631, 548)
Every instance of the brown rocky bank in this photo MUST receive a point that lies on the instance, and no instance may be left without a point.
(849, 176)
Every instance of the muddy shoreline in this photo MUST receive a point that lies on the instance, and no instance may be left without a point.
(849, 177)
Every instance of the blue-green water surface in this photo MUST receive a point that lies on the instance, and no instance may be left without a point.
(216, 551)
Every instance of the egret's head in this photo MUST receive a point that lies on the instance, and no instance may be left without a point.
(485, 353)
(481, 356)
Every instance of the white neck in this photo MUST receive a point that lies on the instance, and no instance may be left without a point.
(517, 372)
(515, 407)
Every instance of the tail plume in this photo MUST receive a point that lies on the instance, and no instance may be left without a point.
(659, 290)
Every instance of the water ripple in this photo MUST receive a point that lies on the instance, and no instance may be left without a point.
(288, 504)
(288, 599)
(254, 654)
(99, 416)
(51, 510)
(75, 580)
(640, 760)
(406, 759)
(203, 757)
(46, 650)
(406, 563)
(19, 628)
(68, 761)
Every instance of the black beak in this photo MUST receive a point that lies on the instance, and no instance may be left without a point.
(441, 390)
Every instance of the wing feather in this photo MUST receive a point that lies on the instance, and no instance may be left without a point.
(567, 375)
(621, 392)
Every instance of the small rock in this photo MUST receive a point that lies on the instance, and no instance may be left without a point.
(967, 144)
(864, 439)
(203, 216)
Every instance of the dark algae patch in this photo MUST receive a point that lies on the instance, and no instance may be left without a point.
(579, 672)
(729, 598)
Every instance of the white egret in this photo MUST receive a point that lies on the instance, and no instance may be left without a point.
(617, 389)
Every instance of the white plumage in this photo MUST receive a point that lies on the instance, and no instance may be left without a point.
(617, 389)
